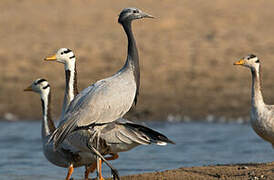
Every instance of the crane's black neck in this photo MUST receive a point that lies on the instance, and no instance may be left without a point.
(132, 57)
(48, 126)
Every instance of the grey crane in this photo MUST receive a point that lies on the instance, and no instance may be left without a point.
(261, 114)
(115, 137)
(108, 99)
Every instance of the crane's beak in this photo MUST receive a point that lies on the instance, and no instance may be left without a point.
(240, 62)
(52, 58)
(146, 15)
(28, 89)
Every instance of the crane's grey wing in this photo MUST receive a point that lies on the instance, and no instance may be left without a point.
(100, 103)
(126, 132)
(148, 133)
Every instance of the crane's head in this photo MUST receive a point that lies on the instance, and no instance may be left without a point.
(40, 86)
(251, 61)
(129, 14)
(65, 56)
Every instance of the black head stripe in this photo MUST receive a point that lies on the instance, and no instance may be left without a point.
(72, 57)
(46, 86)
(251, 56)
(39, 81)
(67, 51)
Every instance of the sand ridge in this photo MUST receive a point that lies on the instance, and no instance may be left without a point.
(220, 172)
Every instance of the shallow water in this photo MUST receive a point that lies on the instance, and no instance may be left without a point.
(197, 144)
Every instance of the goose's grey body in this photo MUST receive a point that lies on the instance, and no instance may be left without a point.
(261, 114)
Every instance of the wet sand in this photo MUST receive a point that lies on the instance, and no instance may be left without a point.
(223, 172)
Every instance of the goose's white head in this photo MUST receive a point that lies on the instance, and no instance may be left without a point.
(130, 14)
(64, 56)
(40, 86)
(251, 61)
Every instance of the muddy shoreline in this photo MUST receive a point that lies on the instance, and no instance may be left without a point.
(250, 171)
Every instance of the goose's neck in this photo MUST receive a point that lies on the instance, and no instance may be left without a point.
(71, 86)
(256, 94)
(48, 126)
(132, 56)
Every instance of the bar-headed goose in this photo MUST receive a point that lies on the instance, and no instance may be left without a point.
(66, 156)
(261, 115)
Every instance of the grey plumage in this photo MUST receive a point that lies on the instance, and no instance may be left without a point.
(121, 135)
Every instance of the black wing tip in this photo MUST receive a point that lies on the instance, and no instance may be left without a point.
(154, 135)
(163, 138)
(170, 141)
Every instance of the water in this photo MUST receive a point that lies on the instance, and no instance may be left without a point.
(197, 144)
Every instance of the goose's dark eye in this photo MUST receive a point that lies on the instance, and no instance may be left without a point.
(135, 11)
(62, 53)
(258, 61)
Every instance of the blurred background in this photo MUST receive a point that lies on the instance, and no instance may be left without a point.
(186, 54)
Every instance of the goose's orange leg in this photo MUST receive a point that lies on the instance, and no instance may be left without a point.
(100, 170)
(70, 171)
(89, 169)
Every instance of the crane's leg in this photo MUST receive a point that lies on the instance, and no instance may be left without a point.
(70, 171)
(92, 167)
(99, 170)
(99, 161)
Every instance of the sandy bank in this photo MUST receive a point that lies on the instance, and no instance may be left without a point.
(220, 172)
